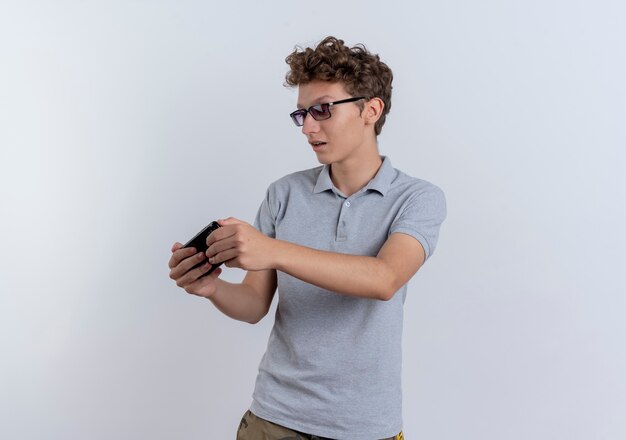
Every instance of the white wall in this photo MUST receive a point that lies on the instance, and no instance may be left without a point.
(126, 126)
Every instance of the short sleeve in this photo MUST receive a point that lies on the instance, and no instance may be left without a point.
(265, 220)
(421, 217)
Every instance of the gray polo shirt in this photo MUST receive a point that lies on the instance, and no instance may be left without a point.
(333, 362)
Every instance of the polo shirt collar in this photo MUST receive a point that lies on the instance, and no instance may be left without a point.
(383, 178)
(381, 181)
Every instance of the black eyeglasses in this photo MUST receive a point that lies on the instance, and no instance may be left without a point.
(319, 112)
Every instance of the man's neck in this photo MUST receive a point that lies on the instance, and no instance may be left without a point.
(353, 174)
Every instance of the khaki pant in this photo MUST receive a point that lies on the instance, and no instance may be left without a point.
(256, 428)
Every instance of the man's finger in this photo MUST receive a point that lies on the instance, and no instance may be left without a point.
(230, 221)
(220, 234)
(223, 256)
(179, 255)
(176, 246)
(198, 280)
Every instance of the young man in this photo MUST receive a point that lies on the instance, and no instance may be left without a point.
(339, 242)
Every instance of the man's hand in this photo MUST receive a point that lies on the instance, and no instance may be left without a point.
(239, 244)
(182, 260)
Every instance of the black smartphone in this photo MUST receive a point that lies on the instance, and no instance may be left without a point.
(199, 242)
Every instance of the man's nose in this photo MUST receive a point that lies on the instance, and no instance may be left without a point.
(310, 125)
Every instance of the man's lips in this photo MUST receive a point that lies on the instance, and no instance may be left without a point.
(317, 144)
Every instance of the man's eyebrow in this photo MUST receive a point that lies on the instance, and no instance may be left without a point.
(317, 101)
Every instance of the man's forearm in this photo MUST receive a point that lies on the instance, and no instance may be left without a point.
(239, 301)
(353, 275)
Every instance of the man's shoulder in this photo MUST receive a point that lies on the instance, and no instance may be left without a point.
(299, 179)
(404, 183)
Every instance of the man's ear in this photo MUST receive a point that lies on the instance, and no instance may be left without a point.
(373, 110)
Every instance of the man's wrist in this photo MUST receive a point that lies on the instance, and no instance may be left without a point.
(277, 254)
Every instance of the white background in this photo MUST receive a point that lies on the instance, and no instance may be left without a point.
(126, 126)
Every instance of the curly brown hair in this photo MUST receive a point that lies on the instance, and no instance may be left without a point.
(361, 72)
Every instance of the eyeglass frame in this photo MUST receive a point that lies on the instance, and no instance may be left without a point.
(329, 104)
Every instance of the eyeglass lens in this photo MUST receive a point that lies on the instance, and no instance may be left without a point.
(319, 112)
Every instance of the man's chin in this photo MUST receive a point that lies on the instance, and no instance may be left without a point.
(322, 158)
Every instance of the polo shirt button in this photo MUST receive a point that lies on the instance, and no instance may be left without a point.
(347, 204)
